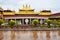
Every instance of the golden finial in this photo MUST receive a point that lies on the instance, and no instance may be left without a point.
(29, 5)
(26, 5)
(23, 5)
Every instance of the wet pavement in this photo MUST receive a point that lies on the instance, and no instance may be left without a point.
(29, 35)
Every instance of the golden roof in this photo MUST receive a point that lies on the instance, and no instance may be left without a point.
(45, 12)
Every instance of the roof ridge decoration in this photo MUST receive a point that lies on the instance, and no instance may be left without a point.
(1, 8)
(26, 7)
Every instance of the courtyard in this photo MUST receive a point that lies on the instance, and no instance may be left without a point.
(29, 35)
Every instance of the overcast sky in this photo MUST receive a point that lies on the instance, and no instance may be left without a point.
(38, 5)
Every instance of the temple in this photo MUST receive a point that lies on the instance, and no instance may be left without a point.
(26, 14)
